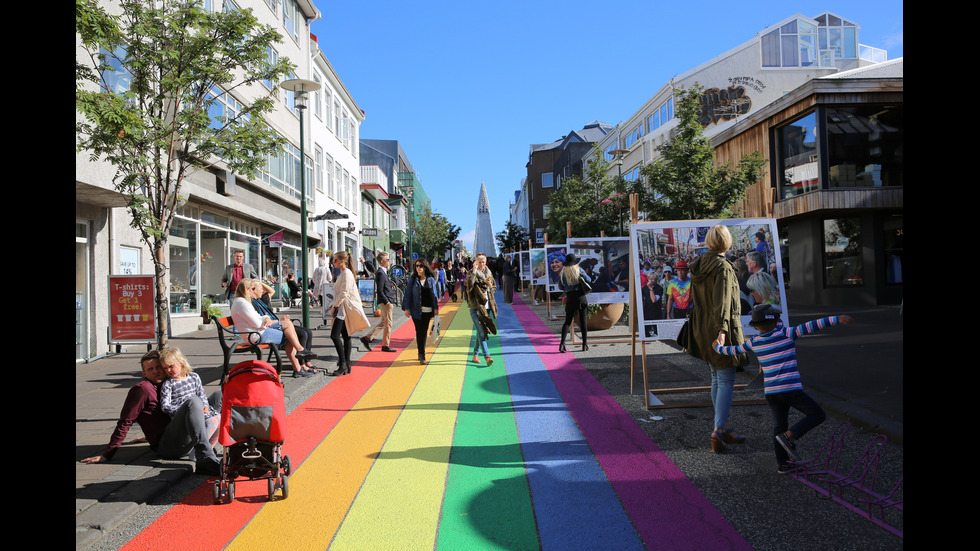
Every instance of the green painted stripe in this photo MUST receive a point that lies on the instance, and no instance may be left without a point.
(487, 503)
(398, 504)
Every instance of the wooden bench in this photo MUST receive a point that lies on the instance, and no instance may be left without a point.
(233, 342)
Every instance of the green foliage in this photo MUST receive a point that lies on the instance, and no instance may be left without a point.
(512, 238)
(594, 203)
(434, 234)
(683, 183)
(157, 128)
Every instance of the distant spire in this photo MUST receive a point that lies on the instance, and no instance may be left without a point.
(483, 242)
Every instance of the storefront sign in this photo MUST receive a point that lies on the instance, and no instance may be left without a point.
(132, 315)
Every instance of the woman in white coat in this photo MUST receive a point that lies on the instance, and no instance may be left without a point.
(347, 311)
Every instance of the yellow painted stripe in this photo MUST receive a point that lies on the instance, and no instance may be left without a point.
(322, 489)
(399, 504)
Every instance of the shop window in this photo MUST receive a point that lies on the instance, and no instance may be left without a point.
(798, 156)
(183, 247)
(865, 146)
(842, 260)
(894, 239)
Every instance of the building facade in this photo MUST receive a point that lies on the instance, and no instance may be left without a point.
(835, 177)
(223, 212)
(547, 166)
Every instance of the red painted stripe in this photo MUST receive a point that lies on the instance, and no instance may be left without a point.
(189, 526)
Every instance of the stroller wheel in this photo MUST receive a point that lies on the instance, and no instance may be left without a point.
(231, 491)
(286, 466)
(285, 486)
(217, 492)
(272, 488)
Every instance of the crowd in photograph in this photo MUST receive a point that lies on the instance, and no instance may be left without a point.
(665, 279)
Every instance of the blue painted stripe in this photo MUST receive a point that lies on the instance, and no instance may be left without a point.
(574, 503)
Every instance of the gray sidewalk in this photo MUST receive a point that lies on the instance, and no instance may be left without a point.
(855, 372)
(106, 494)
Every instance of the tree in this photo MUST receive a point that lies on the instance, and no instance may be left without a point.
(683, 183)
(155, 124)
(432, 231)
(513, 238)
(594, 203)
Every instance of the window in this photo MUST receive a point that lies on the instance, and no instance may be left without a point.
(318, 167)
(842, 261)
(317, 110)
(663, 114)
(273, 58)
(865, 145)
(291, 18)
(336, 120)
(545, 211)
(633, 136)
(547, 179)
(328, 170)
(222, 107)
(117, 79)
(798, 156)
(799, 43)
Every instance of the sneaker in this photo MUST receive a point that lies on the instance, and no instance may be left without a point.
(789, 444)
(366, 343)
(208, 466)
(786, 468)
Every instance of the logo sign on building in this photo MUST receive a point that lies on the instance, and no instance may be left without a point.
(275, 240)
(132, 314)
(370, 232)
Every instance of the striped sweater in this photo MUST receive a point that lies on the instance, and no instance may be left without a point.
(776, 351)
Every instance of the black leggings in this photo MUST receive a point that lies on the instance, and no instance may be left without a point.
(341, 340)
(576, 303)
(422, 330)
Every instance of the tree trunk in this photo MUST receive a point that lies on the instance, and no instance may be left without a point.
(160, 272)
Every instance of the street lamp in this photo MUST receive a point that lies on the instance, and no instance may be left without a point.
(618, 155)
(409, 190)
(300, 88)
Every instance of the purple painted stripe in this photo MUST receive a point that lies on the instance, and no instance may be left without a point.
(668, 511)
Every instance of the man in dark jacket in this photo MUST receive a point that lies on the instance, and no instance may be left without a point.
(385, 291)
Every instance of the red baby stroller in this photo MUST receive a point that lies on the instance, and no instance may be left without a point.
(253, 422)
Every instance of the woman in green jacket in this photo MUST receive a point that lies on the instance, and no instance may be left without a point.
(717, 312)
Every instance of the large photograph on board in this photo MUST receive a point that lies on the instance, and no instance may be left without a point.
(663, 251)
(524, 258)
(606, 261)
(539, 273)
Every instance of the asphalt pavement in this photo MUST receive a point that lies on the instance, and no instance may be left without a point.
(855, 372)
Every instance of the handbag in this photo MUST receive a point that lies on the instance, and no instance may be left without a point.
(586, 288)
(684, 335)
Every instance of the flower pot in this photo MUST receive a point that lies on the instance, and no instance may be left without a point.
(606, 317)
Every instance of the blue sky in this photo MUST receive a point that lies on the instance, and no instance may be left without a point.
(467, 87)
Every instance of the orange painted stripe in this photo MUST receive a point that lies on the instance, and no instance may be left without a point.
(188, 526)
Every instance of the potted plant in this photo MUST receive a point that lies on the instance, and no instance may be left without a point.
(208, 310)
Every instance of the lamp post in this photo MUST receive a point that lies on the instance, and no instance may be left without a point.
(300, 88)
(409, 190)
(618, 155)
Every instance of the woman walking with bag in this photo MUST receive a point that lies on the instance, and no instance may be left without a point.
(347, 312)
(480, 288)
(575, 283)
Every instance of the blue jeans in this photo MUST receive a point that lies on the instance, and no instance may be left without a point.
(481, 335)
(780, 404)
(722, 392)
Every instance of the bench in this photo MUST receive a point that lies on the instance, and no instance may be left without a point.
(233, 342)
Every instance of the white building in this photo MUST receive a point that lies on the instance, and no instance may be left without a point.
(741, 81)
(335, 120)
(225, 212)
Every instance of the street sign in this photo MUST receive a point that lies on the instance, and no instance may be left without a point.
(370, 232)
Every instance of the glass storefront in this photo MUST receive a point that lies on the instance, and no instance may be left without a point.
(201, 245)
(81, 291)
(842, 261)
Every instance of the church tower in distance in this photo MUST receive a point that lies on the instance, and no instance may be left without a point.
(483, 242)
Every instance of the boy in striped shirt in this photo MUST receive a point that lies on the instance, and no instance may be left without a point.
(776, 351)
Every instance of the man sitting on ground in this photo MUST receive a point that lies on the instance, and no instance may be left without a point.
(170, 440)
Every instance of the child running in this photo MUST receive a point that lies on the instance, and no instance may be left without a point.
(776, 350)
(181, 385)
